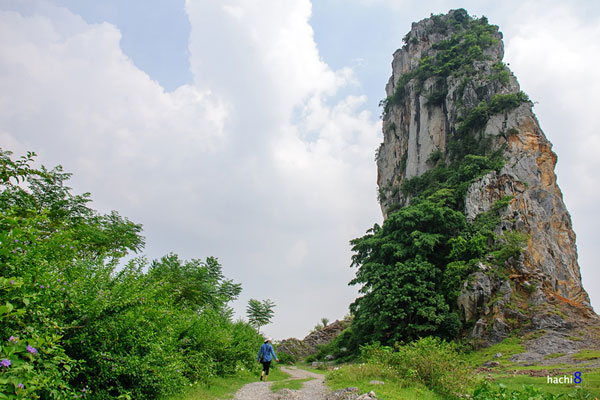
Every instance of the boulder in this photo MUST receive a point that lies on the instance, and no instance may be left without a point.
(475, 294)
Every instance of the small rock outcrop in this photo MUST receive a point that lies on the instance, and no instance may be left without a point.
(300, 349)
(350, 393)
(425, 114)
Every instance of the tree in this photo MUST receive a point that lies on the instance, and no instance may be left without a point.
(401, 268)
(195, 284)
(73, 320)
(15, 169)
(324, 321)
(259, 313)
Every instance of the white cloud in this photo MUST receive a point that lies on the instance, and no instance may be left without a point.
(318, 159)
(249, 164)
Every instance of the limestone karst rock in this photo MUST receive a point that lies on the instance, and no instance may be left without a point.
(441, 85)
(300, 349)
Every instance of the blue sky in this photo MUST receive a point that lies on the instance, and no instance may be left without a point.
(246, 130)
(154, 34)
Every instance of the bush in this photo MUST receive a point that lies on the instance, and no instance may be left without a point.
(486, 391)
(430, 361)
(287, 358)
(343, 348)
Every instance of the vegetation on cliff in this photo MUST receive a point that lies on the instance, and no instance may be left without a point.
(453, 56)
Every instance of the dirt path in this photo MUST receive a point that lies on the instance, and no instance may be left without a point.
(311, 390)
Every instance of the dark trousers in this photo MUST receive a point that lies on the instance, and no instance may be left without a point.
(266, 365)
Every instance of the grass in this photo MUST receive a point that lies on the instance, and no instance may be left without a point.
(553, 355)
(508, 347)
(394, 388)
(225, 387)
(587, 354)
(308, 367)
(359, 375)
(590, 381)
(294, 384)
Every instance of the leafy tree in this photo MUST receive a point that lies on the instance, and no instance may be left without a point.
(400, 272)
(195, 284)
(259, 313)
(96, 236)
(15, 169)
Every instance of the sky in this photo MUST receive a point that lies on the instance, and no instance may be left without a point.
(246, 129)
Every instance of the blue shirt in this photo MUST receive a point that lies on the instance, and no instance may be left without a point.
(267, 352)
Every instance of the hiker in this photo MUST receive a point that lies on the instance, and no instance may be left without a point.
(265, 355)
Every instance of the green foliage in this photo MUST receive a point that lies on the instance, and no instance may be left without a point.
(451, 180)
(438, 93)
(508, 245)
(139, 331)
(587, 354)
(469, 138)
(401, 266)
(453, 56)
(500, 73)
(59, 215)
(411, 269)
(259, 312)
(361, 375)
(38, 366)
(487, 391)
(17, 170)
(225, 387)
(428, 361)
(403, 161)
(343, 348)
(287, 358)
(293, 384)
(479, 115)
(435, 157)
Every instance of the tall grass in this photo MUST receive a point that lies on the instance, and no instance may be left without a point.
(429, 361)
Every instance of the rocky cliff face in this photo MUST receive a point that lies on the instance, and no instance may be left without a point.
(300, 349)
(433, 93)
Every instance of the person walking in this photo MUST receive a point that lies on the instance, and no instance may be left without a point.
(265, 355)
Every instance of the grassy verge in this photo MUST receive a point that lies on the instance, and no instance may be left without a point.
(294, 384)
(587, 354)
(224, 388)
(359, 375)
(308, 367)
(590, 381)
(507, 348)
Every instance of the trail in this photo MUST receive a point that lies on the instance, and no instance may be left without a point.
(311, 390)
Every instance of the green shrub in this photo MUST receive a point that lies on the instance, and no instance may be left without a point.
(286, 358)
(343, 348)
(487, 391)
(429, 361)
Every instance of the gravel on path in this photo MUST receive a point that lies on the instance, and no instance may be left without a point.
(311, 390)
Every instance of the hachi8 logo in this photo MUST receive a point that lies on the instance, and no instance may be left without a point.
(565, 379)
